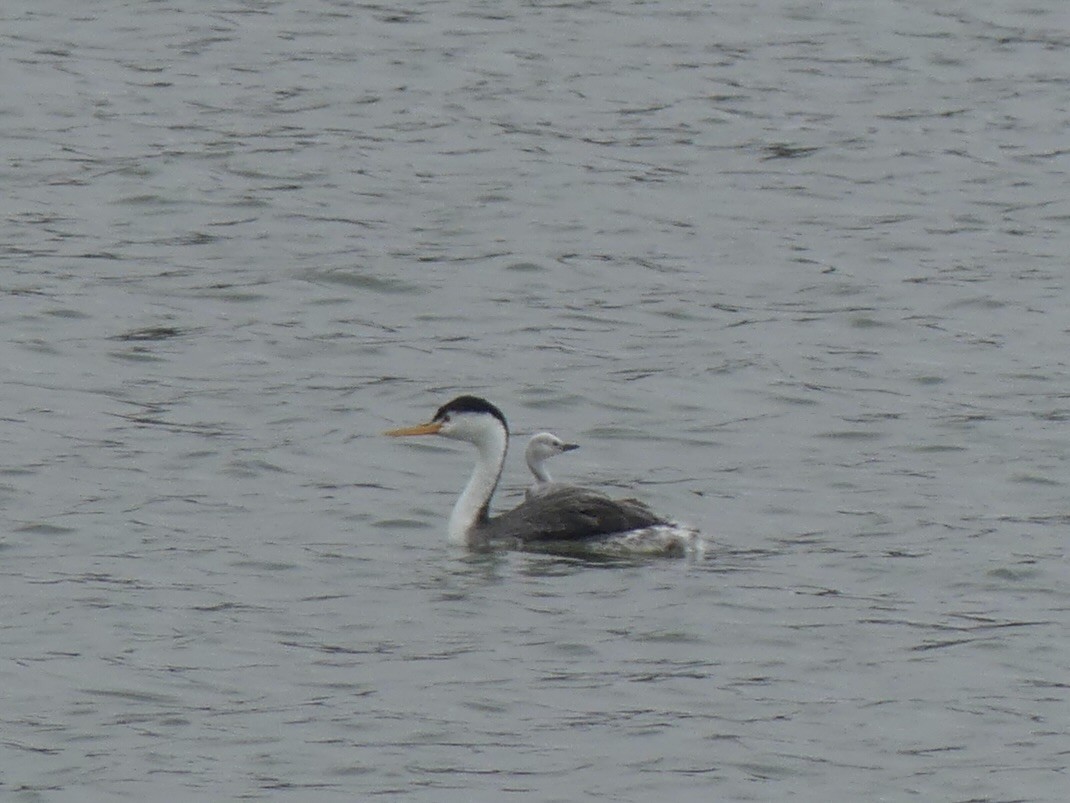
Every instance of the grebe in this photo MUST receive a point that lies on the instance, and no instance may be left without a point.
(541, 448)
(569, 518)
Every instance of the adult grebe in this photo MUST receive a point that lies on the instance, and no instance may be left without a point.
(541, 448)
(568, 517)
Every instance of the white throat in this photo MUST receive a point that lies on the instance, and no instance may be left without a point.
(538, 468)
(473, 506)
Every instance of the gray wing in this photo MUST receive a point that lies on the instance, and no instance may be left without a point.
(540, 488)
(571, 513)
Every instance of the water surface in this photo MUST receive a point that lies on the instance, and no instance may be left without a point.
(796, 276)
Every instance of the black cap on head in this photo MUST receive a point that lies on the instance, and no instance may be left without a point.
(470, 404)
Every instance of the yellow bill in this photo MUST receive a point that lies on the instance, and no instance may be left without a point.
(420, 429)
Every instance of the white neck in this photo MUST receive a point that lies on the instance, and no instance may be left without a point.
(538, 468)
(473, 506)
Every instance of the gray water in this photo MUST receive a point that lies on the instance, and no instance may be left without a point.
(795, 274)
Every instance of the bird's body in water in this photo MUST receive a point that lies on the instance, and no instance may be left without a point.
(566, 518)
(541, 448)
